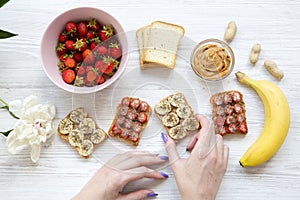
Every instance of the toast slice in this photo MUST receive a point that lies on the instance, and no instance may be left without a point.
(177, 116)
(130, 120)
(159, 42)
(229, 113)
(81, 132)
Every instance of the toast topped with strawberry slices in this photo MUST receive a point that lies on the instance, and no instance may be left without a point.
(130, 120)
(81, 132)
(229, 112)
(177, 116)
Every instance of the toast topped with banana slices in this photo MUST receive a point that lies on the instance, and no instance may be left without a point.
(177, 116)
(81, 132)
(130, 120)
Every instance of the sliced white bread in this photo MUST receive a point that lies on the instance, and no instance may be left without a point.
(162, 45)
(158, 44)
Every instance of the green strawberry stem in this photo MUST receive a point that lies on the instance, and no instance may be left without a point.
(6, 107)
(6, 133)
(2, 2)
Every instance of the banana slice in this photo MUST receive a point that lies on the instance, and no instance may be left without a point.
(183, 111)
(78, 115)
(75, 138)
(86, 148)
(98, 136)
(163, 107)
(170, 120)
(191, 124)
(176, 100)
(87, 126)
(65, 126)
(177, 132)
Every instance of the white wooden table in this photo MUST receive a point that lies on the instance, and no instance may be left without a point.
(60, 172)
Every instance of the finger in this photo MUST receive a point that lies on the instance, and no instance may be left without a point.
(123, 157)
(135, 161)
(142, 172)
(192, 143)
(220, 148)
(206, 137)
(137, 195)
(226, 155)
(171, 150)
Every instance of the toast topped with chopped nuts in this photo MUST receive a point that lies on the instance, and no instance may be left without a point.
(81, 132)
(177, 116)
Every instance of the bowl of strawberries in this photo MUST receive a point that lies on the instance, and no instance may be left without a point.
(84, 50)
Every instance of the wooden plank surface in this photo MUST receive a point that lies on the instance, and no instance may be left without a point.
(60, 172)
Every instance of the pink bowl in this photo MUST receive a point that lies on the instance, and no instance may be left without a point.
(50, 38)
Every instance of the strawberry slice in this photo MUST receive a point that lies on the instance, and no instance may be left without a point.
(142, 117)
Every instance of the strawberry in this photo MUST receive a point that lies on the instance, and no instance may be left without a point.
(114, 50)
(80, 44)
(93, 24)
(70, 45)
(102, 50)
(82, 29)
(79, 81)
(109, 70)
(100, 66)
(63, 57)
(71, 27)
(68, 75)
(106, 32)
(91, 75)
(88, 68)
(61, 49)
(90, 35)
(78, 57)
(70, 62)
(85, 53)
(93, 45)
(62, 37)
(101, 80)
(81, 71)
(90, 59)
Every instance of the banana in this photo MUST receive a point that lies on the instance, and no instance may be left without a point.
(163, 107)
(176, 99)
(75, 138)
(65, 126)
(191, 124)
(170, 120)
(87, 126)
(177, 132)
(183, 111)
(86, 148)
(98, 136)
(78, 115)
(276, 125)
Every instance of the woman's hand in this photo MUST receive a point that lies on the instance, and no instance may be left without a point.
(200, 175)
(110, 180)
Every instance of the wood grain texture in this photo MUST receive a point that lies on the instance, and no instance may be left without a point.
(61, 173)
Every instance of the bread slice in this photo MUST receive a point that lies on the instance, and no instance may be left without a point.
(81, 132)
(159, 41)
(229, 112)
(177, 116)
(130, 120)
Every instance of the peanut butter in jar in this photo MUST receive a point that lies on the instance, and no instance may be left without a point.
(212, 59)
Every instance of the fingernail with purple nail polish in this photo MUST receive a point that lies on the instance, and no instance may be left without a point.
(164, 137)
(152, 194)
(164, 157)
(164, 174)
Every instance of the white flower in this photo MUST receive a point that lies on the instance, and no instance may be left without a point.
(33, 128)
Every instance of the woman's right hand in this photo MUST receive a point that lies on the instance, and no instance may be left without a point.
(200, 175)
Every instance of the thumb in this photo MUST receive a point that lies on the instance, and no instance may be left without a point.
(137, 195)
(170, 148)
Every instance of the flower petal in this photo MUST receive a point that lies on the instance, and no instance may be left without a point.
(35, 152)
